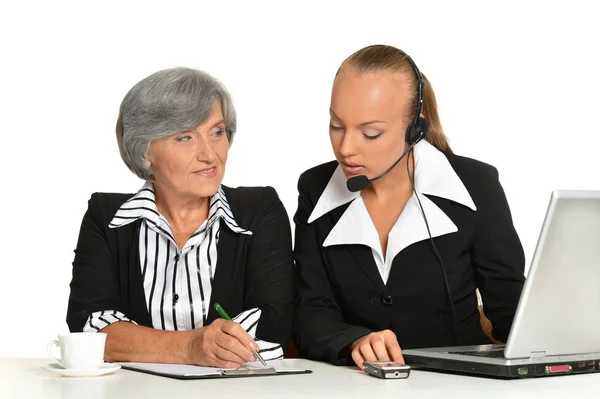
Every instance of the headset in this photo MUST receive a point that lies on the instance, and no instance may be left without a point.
(418, 127)
(416, 131)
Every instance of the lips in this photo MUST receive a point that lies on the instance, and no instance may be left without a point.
(351, 167)
(208, 172)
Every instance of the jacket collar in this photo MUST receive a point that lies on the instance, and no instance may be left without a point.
(433, 176)
(143, 206)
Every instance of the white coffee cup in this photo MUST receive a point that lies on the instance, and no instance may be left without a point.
(79, 351)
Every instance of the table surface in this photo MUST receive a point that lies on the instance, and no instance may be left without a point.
(24, 378)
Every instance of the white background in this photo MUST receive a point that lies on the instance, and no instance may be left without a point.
(517, 84)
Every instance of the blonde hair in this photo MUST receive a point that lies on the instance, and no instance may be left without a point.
(382, 58)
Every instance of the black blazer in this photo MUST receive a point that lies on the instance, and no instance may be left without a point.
(342, 296)
(253, 270)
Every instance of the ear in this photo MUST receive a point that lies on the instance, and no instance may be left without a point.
(229, 137)
(149, 168)
(148, 157)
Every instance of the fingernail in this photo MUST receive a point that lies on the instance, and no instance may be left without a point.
(252, 359)
(254, 346)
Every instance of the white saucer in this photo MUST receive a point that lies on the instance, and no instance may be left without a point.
(105, 368)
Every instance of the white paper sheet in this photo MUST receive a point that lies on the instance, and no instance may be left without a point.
(182, 370)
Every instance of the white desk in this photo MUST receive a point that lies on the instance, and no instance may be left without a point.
(23, 378)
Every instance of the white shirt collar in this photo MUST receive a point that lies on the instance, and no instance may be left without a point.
(143, 205)
(433, 176)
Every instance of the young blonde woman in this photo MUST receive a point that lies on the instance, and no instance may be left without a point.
(395, 236)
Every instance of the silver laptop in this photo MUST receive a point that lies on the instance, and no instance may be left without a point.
(556, 330)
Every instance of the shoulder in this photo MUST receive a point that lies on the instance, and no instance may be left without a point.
(249, 203)
(469, 168)
(250, 196)
(474, 174)
(312, 182)
(105, 205)
(480, 179)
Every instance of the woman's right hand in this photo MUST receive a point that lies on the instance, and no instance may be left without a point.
(380, 345)
(223, 343)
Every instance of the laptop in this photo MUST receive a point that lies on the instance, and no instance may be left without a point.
(556, 330)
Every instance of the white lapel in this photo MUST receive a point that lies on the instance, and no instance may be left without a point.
(411, 228)
(335, 194)
(433, 176)
(355, 227)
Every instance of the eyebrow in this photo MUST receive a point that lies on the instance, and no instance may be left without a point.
(217, 123)
(362, 124)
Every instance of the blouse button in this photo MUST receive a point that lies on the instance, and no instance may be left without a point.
(387, 300)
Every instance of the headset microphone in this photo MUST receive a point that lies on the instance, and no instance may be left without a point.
(416, 131)
(360, 182)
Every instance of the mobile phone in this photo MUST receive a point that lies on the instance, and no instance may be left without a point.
(382, 369)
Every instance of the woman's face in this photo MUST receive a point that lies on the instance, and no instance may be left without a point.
(192, 163)
(368, 121)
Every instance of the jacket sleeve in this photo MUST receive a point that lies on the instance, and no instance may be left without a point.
(94, 284)
(320, 331)
(270, 271)
(498, 257)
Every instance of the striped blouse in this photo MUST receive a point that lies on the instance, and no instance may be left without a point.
(178, 283)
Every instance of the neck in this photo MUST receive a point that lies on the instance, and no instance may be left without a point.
(179, 210)
(394, 183)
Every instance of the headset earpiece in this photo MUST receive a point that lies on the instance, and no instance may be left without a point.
(417, 130)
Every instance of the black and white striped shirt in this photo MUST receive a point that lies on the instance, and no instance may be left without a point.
(178, 283)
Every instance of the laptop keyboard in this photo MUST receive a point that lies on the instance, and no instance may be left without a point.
(494, 353)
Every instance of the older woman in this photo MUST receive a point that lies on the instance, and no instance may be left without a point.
(148, 267)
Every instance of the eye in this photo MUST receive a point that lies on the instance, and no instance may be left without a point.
(184, 138)
(336, 128)
(372, 136)
(217, 133)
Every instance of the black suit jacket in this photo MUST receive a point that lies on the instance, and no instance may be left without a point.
(342, 296)
(252, 271)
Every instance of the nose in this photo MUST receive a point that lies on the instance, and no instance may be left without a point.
(348, 145)
(205, 151)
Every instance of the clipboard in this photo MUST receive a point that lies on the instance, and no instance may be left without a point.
(187, 372)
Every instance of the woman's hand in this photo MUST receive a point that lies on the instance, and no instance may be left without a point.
(223, 343)
(380, 345)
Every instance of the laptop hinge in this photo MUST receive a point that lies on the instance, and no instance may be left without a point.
(537, 354)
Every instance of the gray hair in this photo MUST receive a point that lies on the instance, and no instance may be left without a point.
(165, 103)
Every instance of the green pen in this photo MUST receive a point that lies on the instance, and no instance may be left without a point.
(224, 315)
